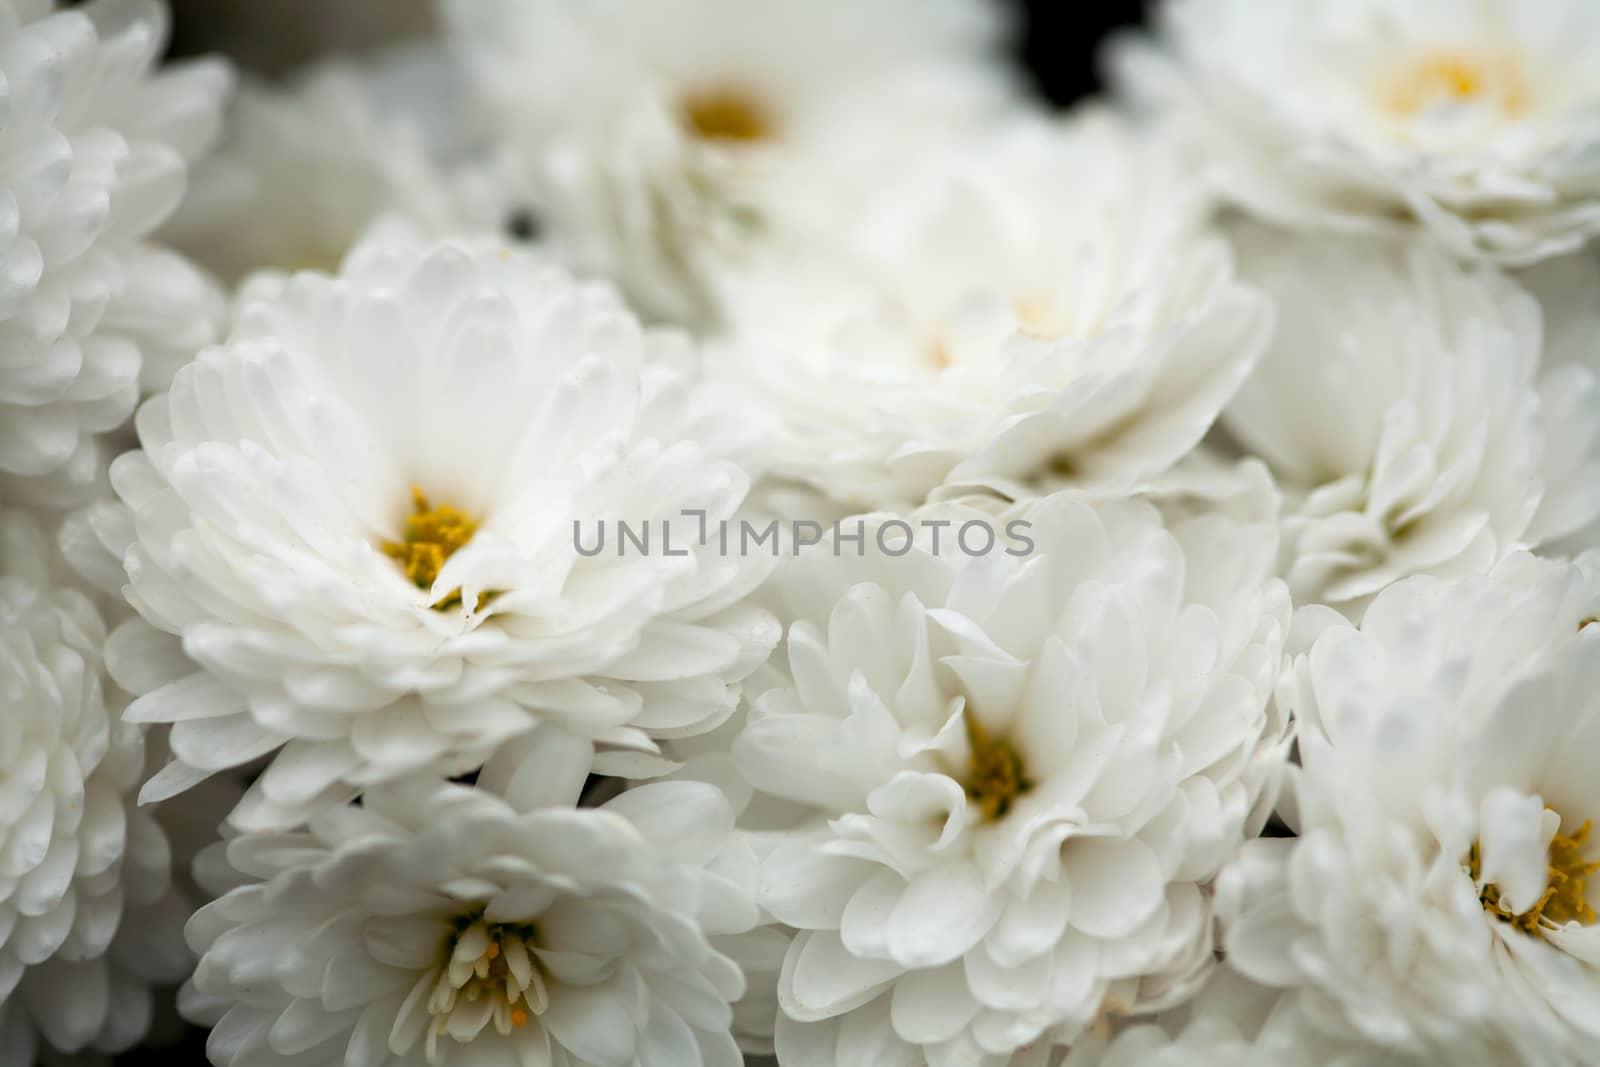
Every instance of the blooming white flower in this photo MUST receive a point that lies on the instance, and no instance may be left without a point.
(1016, 777)
(1047, 304)
(1439, 900)
(451, 926)
(307, 167)
(360, 518)
(657, 135)
(1409, 415)
(93, 153)
(1470, 123)
(85, 916)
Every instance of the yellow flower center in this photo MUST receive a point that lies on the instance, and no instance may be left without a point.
(1039, 319)
(995, 777)
(727, 114)
(1592, 620)
(1455, 77)
(490, 978)
(432, 536)
(1565, 896)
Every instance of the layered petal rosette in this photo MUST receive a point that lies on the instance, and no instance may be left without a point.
(94, 149)
(1440, 898)
(1468, 124)
(1012, 778)
(1419, 416)
(87, 919)
(658, 138)
(1046, 308)
(437, 925)
(362, 533)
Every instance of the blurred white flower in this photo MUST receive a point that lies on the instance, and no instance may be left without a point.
(1440, 898)
(1310, 313)
(1232, 1022)
(657, 135)
(93, 153)
(1568, 290)
(441, 925)
(358, 520)
(1045, 306)
(1410, 416)
(87, 923)
(1013, 778)
(1472, 124)
(307, 167)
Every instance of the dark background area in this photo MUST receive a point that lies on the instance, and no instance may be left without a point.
(1061, 40)
(1058, 45)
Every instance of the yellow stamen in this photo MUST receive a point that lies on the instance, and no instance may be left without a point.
(515, 995)
(996, 777)
(1565, 896)
(727, 115)
(432, 536)
(1457, 77)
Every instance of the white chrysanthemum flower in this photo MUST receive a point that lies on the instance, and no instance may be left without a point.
(84, 874)
(456, 927)
(1018, 774)
(1471, 122)
(1440, 897)
(654, 136)
(308, 167)
(93, 153)
(1047, 304)
(371, 520)
(1410, 417)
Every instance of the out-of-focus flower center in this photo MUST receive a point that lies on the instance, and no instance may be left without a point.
(1457, 77)
(727, 114)
(996, 776)
(1592, 620)
(433, 534)
(1041, 319)
(490, 979)
(1565, 896)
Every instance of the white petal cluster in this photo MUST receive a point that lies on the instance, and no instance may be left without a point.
(1016, 779)
(374, 581)
(1231, 1021)
(657, 137)
(94, 147)
(725, 533)
(1419, 416)
(83, 871)
(444, 926)
(1046, 306)
(1468, 124)
(306, 168)
(1440, 899)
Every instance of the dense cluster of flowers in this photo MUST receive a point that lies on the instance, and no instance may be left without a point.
(1172, 632)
